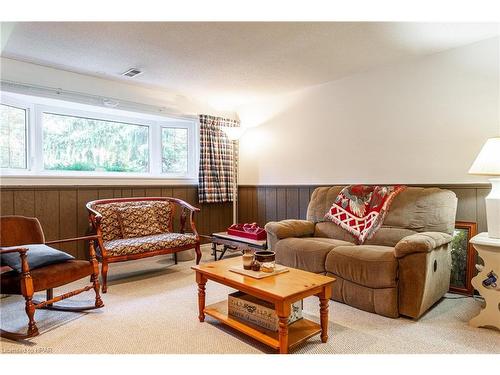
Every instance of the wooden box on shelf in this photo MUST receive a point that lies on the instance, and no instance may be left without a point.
(257, 311)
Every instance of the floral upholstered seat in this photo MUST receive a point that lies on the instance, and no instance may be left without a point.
(134, 228)
(137, 245)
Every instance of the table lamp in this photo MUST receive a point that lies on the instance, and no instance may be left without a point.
(488, 163)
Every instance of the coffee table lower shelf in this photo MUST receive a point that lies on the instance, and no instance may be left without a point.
(298, 331)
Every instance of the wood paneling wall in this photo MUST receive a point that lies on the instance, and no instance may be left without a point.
(272, 203)
(62, 213)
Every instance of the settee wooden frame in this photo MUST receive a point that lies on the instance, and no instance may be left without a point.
(95, 220)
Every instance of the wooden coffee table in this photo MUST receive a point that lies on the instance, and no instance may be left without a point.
(282, 290)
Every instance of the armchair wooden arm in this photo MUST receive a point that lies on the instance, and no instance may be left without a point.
(91, 239)
(18, 250)
(25, 267)
(84, 238)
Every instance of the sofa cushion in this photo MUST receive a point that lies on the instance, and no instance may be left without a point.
(368, 265)
(389, 236)
(321, 200)
(331, 230)
(290, 228)
(423, 210)
(385, 236)
(382, 301)
(137, 245)
(415, 208)
(110, 223)
(306, 253)
(421, 243)
(138, 221)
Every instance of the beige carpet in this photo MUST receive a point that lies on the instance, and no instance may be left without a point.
(151, 307)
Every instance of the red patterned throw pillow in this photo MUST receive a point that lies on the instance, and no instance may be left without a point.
(361, 209)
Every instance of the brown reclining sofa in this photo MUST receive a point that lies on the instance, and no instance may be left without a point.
(402, 270)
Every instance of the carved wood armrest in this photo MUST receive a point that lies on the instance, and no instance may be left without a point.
(185, 204)
(191, 221)
(95, 218)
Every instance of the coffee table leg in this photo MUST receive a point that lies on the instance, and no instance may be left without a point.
(324, 297)
(201, 280)
(283, 312)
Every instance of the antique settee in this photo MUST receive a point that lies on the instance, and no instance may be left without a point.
(403, 269)
(134, 228)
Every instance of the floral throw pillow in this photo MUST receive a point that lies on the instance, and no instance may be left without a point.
(138, 221)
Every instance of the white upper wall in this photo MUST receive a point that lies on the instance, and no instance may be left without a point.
(174, 104)
(422, 121)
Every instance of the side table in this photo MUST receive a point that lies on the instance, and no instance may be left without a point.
(489, 250)
(233, 243)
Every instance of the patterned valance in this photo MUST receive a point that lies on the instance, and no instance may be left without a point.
(216, 175)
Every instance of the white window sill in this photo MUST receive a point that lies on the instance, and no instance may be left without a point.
(20, 180)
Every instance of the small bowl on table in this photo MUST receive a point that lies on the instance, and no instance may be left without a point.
(266, 260)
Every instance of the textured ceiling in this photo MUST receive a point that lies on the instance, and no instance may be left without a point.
(230, 63)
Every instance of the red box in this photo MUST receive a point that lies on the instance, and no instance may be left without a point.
(237, 230)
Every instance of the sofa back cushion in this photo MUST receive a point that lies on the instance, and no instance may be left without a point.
(423, 210)
(111, 225)
(138, 221)
(413, 210)
(322, 199)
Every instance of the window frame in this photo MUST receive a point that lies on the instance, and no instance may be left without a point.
(28, 131)
(190, 139)
(36, 106)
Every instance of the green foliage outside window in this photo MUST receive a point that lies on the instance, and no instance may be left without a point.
(174, 150)
(12, 137)
(82, 144)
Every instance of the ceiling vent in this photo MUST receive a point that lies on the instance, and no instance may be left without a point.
(132, 72)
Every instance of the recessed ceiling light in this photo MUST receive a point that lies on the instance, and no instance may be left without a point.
(132, 72)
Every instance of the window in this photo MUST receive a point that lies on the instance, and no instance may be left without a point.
(174, 143)
(44, 137)
(73, 143)
(12, 137)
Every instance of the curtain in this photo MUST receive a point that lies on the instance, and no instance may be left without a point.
(216, 176)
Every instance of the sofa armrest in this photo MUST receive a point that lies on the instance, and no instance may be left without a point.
(420, 243)
(290, 228)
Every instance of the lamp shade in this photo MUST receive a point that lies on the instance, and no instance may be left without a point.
(488, 160)
(233, 132)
